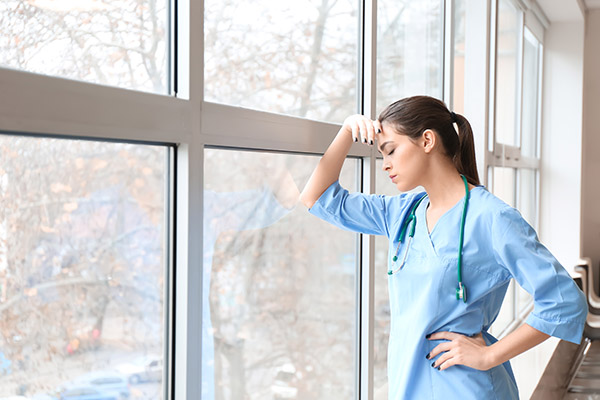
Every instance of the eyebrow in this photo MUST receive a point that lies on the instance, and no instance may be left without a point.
(383, 146)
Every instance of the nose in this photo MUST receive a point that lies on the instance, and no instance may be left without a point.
(386, 166)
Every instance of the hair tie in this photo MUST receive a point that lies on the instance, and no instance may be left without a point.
(453, 116)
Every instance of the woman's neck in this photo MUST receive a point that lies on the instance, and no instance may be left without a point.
(444, 186)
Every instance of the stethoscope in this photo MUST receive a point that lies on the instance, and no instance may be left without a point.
(410, 223)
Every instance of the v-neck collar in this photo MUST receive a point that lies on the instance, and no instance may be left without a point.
(422, 216)
(448, 211)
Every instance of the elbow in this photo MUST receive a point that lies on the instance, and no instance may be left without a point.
(307, 200)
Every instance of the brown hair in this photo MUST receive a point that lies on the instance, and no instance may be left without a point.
(412, 116)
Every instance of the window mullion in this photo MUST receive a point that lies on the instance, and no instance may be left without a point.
(367, 304)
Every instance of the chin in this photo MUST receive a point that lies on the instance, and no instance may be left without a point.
(403, 187)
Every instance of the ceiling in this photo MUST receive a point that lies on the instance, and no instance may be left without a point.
(566, 10)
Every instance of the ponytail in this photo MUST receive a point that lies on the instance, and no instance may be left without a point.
(464, 159)
(412, 116)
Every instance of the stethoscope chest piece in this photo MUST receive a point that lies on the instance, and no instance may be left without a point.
(461, 292)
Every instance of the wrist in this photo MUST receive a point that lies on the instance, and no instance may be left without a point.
(491, 357)
(346, 132)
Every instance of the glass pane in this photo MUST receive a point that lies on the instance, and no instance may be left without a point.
(528, 208)
(279, 284)
(507, 311)
(504, 183)
(119, 43)
(504, 186)
(409, 49)
(82, 266)
(297, 58)
(508, 32)
(460, 17)
(528, 195)
(382, 301)
(384, 186)
(531, 80)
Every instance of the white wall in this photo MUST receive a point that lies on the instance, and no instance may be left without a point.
(561, 141)
(590, 193)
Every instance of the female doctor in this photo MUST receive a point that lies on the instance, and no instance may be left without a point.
(452, 252)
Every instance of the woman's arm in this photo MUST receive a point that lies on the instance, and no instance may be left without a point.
(474, 353)
(328, 170)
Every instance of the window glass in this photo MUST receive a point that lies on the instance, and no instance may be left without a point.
(508, 34)
(528, 195)
(460, 17)
(503, 186)
(528, 208)
(409, 49)
(507, 311)
(504, 182)
(119, 42)
(82, 263)
(381, 296)
(297, 58)
(531, 80)
(384, 186)
(279, 284)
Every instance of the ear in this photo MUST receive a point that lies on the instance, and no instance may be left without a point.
(428, 140)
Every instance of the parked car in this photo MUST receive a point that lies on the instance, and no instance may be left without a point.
(86, 393)
(284, 385)
(113, 383)
(144, 369)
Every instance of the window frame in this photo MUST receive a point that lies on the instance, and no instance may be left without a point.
(504, 155)
(183, 120)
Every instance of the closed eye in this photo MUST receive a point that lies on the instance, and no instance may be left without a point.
(390, 153)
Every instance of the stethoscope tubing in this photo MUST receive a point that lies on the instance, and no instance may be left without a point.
(410, 223)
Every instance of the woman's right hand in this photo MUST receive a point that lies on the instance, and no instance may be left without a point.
(362, 128)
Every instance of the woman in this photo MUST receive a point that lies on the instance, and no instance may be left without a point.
(439, 346)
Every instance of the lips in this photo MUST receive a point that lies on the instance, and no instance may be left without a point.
(392, 177)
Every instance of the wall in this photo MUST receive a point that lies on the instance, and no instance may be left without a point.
(561, 141)
(590, 193)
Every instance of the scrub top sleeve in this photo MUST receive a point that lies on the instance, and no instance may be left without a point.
(356, 212)
(560, 308)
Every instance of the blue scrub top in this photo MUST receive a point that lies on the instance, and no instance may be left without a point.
(498, 245)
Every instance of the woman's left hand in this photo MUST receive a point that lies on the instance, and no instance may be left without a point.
(470, 351)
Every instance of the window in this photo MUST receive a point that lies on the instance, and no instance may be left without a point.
(513, 160)
(119, 43)
(503, 185)
(297, 58)
(381, 297)
(409, 49)
(281, 312)
(82, 261)
(460, 22)
(531, 95)
(507, 103)
(280, 301)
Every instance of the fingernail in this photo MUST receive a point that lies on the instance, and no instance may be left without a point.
(371, 142)
(432, 364)
(378, 130)
(428, 336)
(438, 368)
(365, 141)
(355, 140)
(427, 356)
